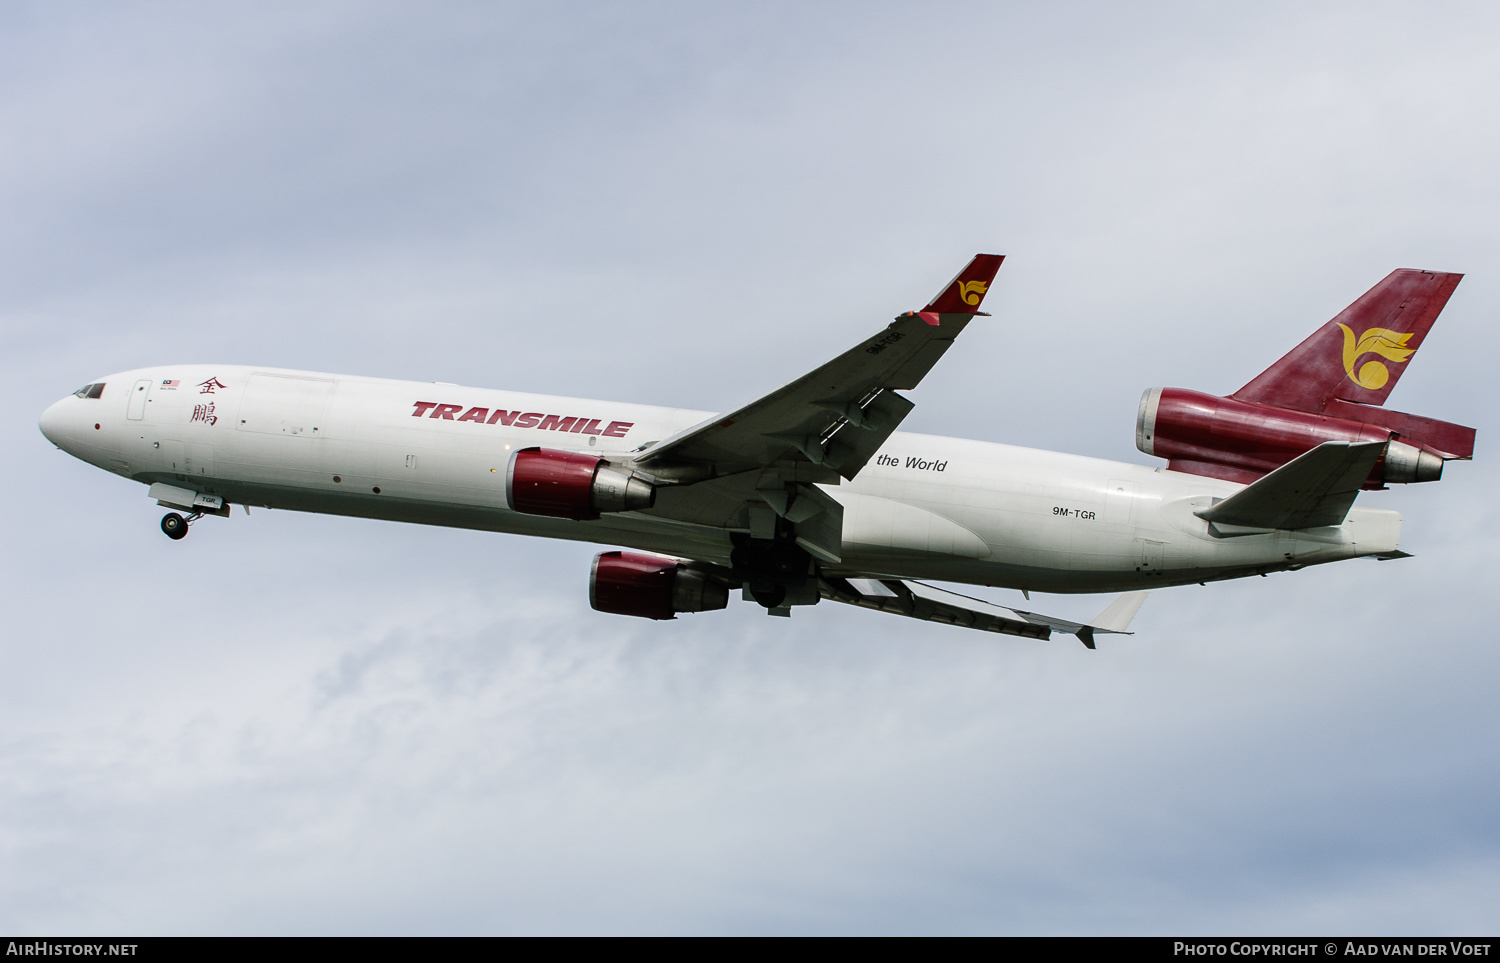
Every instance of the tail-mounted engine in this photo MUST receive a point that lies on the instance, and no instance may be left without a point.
(1331, 387)
(653, 586)
(1240, 441)
(564, 484)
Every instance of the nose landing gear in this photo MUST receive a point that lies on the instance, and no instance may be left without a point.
(175, 526)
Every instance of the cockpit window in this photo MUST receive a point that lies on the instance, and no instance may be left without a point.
(91, 391)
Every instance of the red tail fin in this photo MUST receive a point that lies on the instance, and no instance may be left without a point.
(1359, 355)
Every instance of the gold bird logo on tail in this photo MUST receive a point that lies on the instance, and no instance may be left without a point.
(972, 291)
(1389, 344)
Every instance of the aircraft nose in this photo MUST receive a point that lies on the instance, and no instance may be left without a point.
(56, 424)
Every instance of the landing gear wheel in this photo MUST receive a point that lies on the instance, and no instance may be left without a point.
(771, 596)
(174, 525)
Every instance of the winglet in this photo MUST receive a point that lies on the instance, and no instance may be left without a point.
(965, 292)
(1115, 618)
(1117, 615)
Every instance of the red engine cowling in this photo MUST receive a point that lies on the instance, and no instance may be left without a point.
(565, 484)
(1240, 441)
(652, 586)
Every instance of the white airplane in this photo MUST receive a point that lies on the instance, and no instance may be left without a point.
(809, 492)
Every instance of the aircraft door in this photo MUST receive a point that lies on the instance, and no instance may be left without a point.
(136, 409)
(1151, 556)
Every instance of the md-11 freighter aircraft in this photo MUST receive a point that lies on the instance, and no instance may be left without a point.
(809, 492)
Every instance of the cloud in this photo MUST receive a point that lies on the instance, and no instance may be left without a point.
(291, 724)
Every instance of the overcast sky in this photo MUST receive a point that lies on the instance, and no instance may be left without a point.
(300, 724)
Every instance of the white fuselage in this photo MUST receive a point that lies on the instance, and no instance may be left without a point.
(923, 507)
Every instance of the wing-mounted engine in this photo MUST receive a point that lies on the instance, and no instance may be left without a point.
(1330, 388)
(653, 586)
(565, 484)
(759, 471)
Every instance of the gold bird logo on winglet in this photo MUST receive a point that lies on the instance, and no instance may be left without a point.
(972, 291)
(1389, 344)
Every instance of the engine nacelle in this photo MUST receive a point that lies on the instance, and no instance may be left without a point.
(565, 484)
(1240, 441)
(652, 586)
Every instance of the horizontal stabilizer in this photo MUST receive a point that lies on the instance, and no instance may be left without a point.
(931, 604)
(1440, 437)
(1311, 490)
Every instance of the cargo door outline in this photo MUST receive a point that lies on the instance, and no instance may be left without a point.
(284, 405)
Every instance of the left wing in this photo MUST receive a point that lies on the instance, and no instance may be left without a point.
(836, 416)
(755, 468)
(930, 604)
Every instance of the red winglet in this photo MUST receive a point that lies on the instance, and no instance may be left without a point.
(964, 293)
